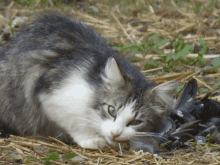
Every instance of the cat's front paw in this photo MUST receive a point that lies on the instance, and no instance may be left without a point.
(98, 143)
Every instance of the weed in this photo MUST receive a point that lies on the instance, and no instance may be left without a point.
(203, 50)
(69, 156)
(159, 73)
(170, 4)
(145, 47)
(52, 156)
(44, 3)
(179, 88)
(169, 60)
(179, 3)
(31, 159)
(151, 64)
(197, 9)
(204, 90)
(207, 138)
(136, 59)
(153, 4)
(164, 144)
(194, 144)
(29, 3)
(216, 86)
(214, 4)
(216, 62)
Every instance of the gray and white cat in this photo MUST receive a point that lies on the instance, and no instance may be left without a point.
(59, 78)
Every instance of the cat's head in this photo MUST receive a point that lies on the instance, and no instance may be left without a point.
(124, 113)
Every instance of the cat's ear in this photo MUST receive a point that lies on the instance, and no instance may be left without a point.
(162, 96)
(112, 73)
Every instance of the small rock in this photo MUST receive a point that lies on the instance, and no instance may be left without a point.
(77, 158)
(179, 68)
(18, 22)
(95, 9)
(14, 156)
(17, 159)
(200, 139)
(40, 149)
(197, 69)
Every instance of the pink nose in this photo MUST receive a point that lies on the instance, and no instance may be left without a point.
(115, 135)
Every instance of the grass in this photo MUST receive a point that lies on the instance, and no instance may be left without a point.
(158, 37)
(169, 60)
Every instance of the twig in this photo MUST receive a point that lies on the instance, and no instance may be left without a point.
(151, 70)
(37, 2)
(10, 5)
(50, 2)
(212, 75)
(202, 82)
(216, 98)
(184, 28)
(155, 56)
(169, 76)
(122, 28)
(55, 162)
(131, 160)
(151, 9)
(191, 75)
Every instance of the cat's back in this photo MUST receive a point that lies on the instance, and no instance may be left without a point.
(60, 41)
(56, 33)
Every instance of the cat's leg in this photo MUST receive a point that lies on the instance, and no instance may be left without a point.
(87, 141)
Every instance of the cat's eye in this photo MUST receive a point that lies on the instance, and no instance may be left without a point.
(112, 111)
(135, 122)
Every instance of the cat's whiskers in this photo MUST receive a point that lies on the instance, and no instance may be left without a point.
(90, 117)
(130, 138)
(149, 107)
(88, 126)
(94, 119)
(90, 120)
(148, 134)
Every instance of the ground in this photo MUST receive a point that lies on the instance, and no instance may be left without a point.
(166, 39)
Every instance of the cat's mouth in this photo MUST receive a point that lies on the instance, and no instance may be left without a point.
(115, 141)
(111, 142)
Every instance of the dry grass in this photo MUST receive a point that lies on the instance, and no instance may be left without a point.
(23, 150)
(126, 23)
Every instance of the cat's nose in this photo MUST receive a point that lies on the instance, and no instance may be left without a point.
(115, 135)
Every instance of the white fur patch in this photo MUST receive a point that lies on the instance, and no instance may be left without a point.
(69, 107)
(73, 96)
(124, 116)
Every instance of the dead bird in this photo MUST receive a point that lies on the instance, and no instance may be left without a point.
(194, 119)
(59, 78)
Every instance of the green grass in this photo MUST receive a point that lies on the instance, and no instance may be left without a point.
(29, 3)
(52, 156)
(217, 85)
(170, 60)
(43, 3)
